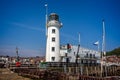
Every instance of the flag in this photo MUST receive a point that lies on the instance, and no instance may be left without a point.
(96, 43)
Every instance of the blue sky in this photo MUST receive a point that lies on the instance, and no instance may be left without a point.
(22, 24)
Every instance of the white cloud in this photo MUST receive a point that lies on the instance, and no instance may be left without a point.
(28, 52)
(22, 52)
(68, 37)
(10, 52)
(28, 27)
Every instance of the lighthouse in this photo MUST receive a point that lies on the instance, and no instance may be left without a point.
(53, 38)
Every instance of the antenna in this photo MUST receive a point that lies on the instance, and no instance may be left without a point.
(17, 52)
(79, 38)
(46, 7)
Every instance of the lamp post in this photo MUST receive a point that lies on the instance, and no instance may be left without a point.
(17, 53)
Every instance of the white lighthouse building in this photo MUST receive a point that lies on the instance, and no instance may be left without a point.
(53, 39)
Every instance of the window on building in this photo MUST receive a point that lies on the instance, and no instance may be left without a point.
(53, 30)
(93, 62)
(53, 39)
(88, 62)
(67, 60)
(90, 55)
(93, 55)
(84, 61)
(86, 55)
(65, 54)
(53, 58)
(74, 53)
(53, 49)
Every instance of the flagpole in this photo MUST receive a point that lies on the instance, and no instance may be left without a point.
(98, 51)
(98, 46)
(80, 59)
(102, 47)
(46, 16)
(103, 50)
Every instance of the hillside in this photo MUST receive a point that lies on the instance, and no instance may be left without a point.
(114, 52)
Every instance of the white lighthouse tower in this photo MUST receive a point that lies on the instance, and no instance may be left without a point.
(53, 39)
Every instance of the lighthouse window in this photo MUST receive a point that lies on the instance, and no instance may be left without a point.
(53, 39)
(53, 30)
(53, 49)
(53, 58)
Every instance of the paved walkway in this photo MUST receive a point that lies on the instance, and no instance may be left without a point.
(6, 74)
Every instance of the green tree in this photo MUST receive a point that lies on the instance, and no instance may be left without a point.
(114, 52)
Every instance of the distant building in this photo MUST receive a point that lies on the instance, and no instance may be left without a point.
(4, 59)
(69, 53)
(111, 60)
